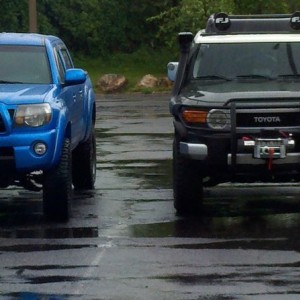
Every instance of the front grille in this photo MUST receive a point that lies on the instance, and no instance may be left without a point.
(260, 119)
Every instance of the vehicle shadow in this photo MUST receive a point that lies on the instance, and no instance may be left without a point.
(18, 207)
(256, 217)
(250, 200)
(253, 214)
(21, 216)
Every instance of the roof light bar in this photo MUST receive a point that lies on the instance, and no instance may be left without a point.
(222, 21)
(295, 20)
(271, 23)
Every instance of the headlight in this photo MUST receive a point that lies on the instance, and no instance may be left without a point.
(33, 115)
(218, 119)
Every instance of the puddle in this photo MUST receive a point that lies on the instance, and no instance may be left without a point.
(280, 226)
(49, 233)
(20, 207)
(156, 174)
(236, 214)
(22, 269)
(134, 174)
(42, 247)
(34, 296)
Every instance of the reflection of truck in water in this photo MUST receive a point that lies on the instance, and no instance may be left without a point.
(236, 104)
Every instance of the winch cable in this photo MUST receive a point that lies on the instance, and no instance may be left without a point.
(271, 155)
(233, 138)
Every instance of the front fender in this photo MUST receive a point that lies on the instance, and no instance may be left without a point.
(63, 130)
(90, 112)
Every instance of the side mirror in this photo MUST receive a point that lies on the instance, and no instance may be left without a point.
(172, 70)
(75, 76)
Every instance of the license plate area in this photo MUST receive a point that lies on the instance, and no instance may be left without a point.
(270, 148)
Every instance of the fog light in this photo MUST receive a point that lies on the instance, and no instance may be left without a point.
(40, 148)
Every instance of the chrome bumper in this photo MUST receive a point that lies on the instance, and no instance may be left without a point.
(200, 152)
(248, 159)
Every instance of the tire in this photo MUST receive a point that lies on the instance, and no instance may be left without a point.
(84, 164)
(187, 182)
(57, 187)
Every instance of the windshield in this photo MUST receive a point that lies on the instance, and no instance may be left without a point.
(241, 60)
(24, 64)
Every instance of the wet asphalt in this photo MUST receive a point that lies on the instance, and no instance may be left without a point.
(124, 239)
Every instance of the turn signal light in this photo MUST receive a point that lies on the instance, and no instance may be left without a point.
(194, 116)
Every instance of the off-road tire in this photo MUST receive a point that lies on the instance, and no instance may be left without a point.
(187, 182)
(84, 164)
(57, 187)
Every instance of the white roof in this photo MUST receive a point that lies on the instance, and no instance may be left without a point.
(246, 38)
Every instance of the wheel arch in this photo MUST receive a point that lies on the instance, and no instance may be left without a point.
(62, 133)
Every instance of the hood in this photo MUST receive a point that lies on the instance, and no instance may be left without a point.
(21, 93)
(217, 91)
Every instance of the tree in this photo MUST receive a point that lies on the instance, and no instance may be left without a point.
(14, 16)
(100, 27)
(293, 5)
(104, 27)
(261, 7)
(189, 15)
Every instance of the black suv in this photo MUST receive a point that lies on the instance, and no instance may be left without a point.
(236, 104)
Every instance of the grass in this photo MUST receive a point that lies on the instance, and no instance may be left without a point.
(133, 66)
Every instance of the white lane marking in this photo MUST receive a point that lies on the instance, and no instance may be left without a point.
(92, 268)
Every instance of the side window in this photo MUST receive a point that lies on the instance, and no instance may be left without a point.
(60, 65)
(63, 61)
(67, 59)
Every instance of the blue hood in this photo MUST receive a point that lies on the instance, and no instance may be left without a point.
(22, 93)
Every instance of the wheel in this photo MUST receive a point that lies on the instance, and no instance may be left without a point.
(57, 187)
(187, 182)
(84, 164)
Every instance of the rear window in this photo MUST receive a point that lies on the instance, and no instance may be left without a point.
(24, 64)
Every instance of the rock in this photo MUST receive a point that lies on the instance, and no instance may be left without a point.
(148, 81)
(165, 82)
(109, 83)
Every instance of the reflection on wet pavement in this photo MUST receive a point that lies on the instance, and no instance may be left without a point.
(124, 239)
(234, 213)
(50, 233)
(33, 296)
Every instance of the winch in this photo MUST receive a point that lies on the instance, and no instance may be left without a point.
(275, 148)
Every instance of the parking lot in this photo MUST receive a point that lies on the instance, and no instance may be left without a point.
(124, 239)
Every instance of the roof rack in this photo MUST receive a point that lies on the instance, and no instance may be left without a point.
(221, 23)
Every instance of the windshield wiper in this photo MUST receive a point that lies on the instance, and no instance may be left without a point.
(214, 77)
(10, 82)
(255, 76)
(289, 76)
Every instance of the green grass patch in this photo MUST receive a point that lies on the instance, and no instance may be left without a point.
(133, 66)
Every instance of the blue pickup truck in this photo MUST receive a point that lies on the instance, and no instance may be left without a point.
(47, 117)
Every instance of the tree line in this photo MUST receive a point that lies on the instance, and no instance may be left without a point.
(105, 27)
